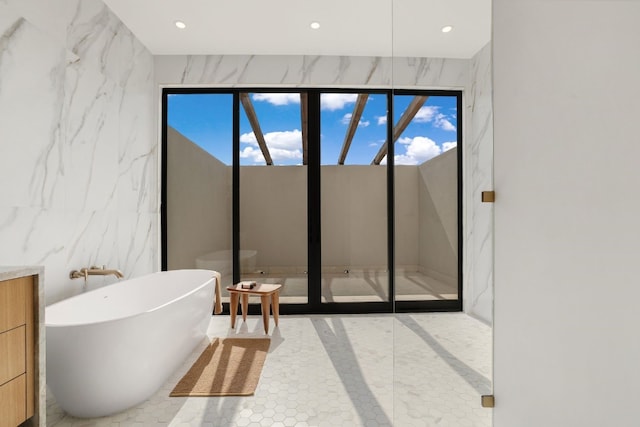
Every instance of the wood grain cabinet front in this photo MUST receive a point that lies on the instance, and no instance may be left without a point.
(13, 405)
(17, 399)
(13, 303)
(12, 354)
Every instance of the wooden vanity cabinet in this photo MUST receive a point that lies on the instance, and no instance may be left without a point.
(17, 368)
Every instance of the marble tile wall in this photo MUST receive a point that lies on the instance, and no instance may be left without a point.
(314, 71)
(78, 155)
(478, 166)
(472, 76)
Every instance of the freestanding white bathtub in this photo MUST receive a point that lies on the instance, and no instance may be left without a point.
(114, 347)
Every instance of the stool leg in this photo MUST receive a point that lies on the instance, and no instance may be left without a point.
(275, 306)
(264, 302)
(233, 308)
(245, 306)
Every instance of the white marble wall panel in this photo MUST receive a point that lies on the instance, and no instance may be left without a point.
(138, 242)
(91, 131)
(93, 238)
(138, 186)
(20, 237)
(92, 242)
(335, 71)
(78, 170)
(92, 37)
(478, 166)
(39, 235)
(238, 70)
(51, 17)
(431, 73)
(29, 114)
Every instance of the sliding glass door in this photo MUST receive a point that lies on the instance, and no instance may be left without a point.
(353, 198)
(197, 186)
(348, 198)
(273, 193)
(428, 185)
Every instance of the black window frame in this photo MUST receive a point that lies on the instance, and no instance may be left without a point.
(314, 305)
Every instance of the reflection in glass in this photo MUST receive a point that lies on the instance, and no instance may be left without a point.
(199, 185)
(426, 197)
(273, 193)
(354, 198)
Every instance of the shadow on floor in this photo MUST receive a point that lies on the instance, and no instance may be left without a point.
(479, 382)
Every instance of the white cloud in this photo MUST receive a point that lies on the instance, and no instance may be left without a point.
(426, 114)
(283, 145)
(252, 153)
(249, 138)
(443, 123)
(449, 145)
(337, 101)
(418, 150)
(432, 114)
(346, 119)
(278, 98)
(382, 120)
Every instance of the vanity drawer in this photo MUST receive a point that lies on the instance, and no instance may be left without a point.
(12, 354)
(13, 405)
(13, 302)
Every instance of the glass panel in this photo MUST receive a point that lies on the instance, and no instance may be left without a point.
(426, 197)
(354, 198)
(199, 185)
(273, 193)
(451, 351)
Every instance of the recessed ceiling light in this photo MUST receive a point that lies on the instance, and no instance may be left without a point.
(447, 28)
(181, 25)
(315, 25)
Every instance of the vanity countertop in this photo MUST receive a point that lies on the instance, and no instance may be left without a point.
(13, 272)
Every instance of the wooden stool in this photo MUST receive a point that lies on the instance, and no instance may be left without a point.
(264, 291)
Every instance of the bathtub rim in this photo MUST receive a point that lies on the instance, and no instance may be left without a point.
(131, 316)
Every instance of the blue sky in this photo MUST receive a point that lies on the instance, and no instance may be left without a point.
(206, 119)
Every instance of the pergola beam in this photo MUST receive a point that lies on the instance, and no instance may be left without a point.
(255, 125)
(407, 116)
(353, 126)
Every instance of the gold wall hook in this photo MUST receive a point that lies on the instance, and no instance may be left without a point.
(488, 401)
(488, 196)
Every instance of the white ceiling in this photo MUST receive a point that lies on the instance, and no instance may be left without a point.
(281, 27)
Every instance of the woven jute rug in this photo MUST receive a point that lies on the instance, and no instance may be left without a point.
(227, 367)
